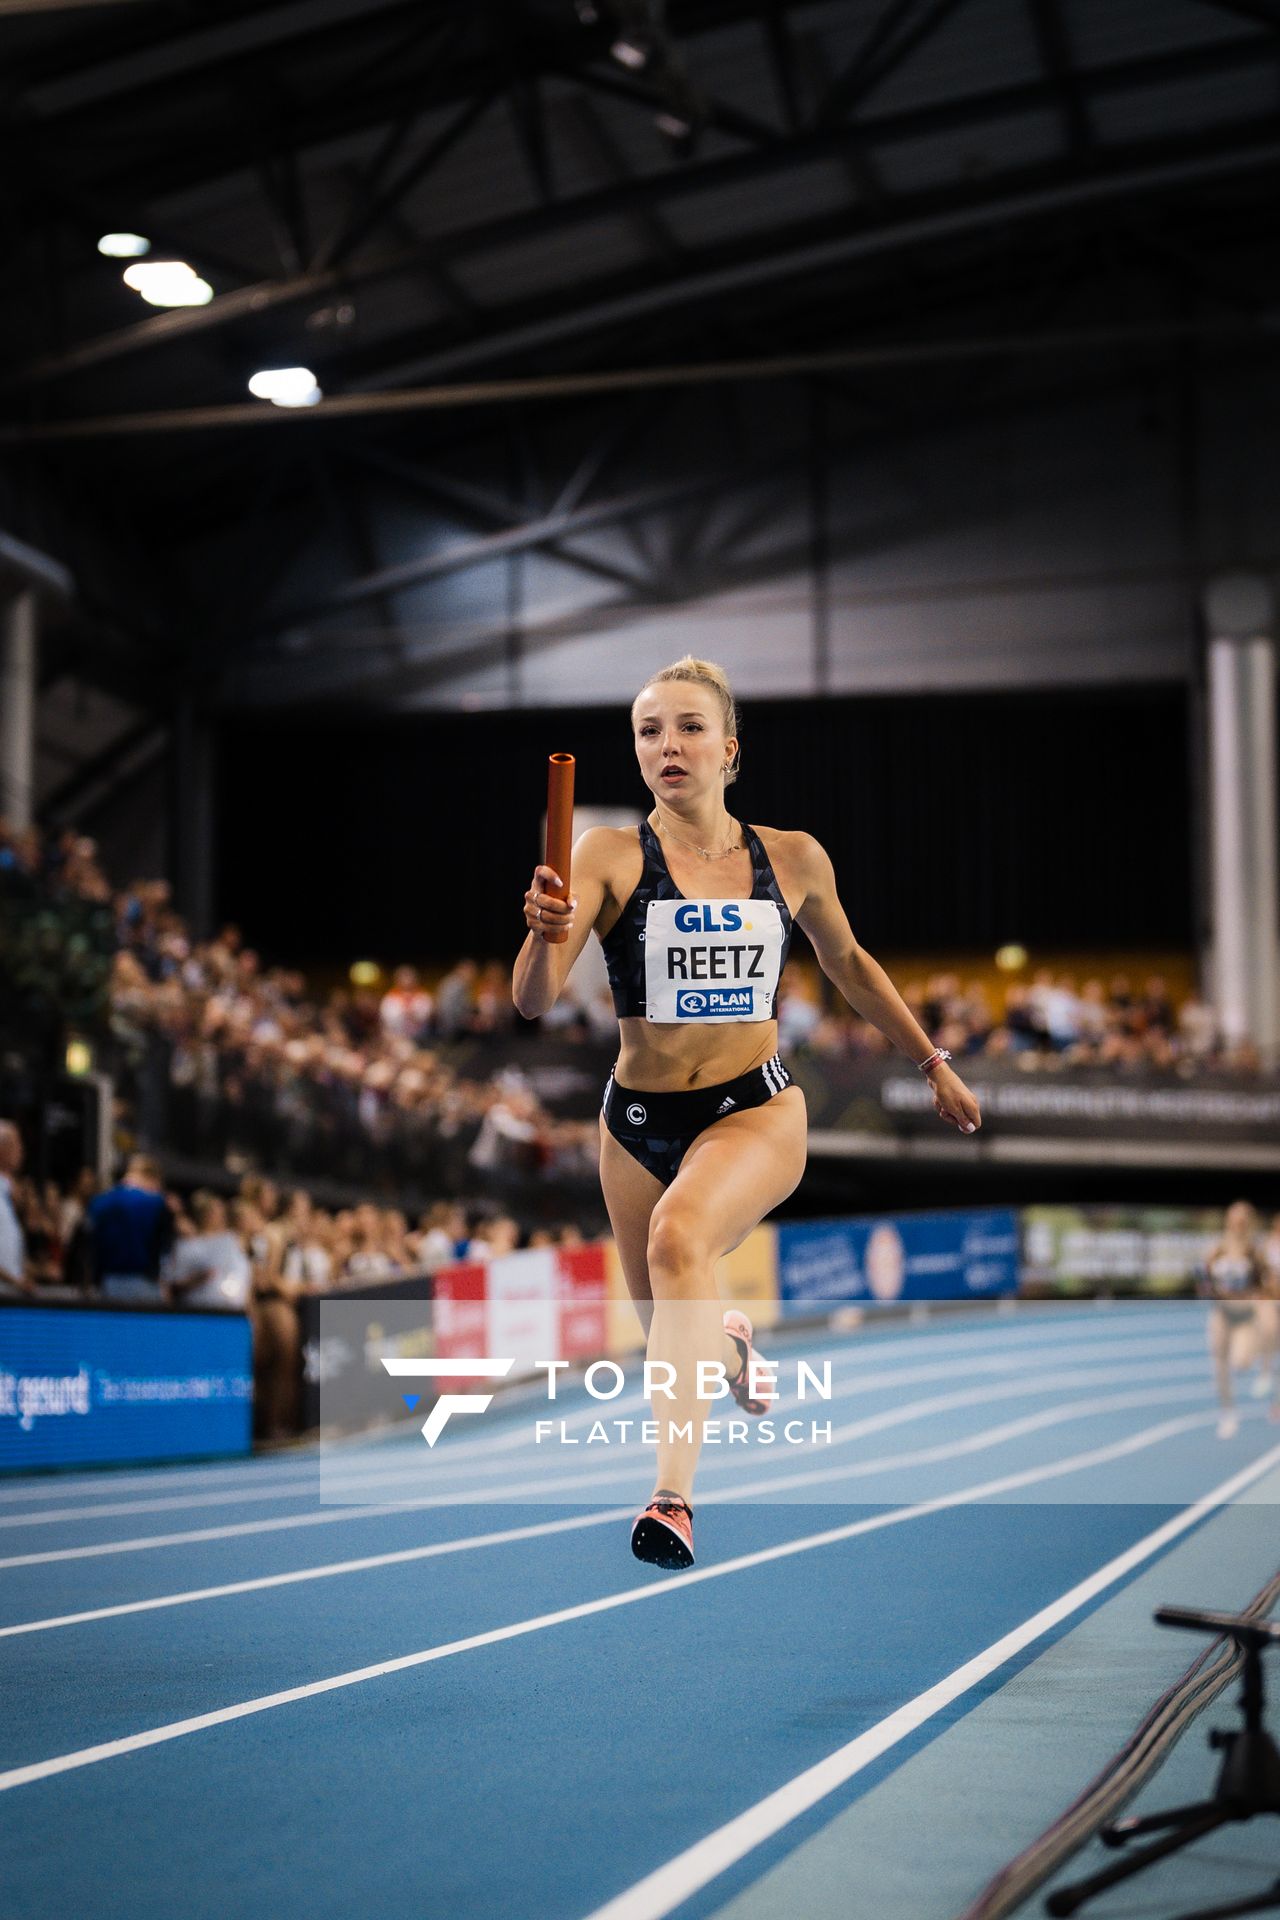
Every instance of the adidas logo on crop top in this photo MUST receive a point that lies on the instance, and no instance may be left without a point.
(677, 960)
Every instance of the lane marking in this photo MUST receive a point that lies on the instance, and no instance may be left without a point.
(370, 1561)
(660, 1892)
(323, 1452)
(972, 1443)
(309, 1690)
(476, 1455)
(561, 1488)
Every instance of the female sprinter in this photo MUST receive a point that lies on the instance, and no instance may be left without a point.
(1234, 1278)
(702, 1131)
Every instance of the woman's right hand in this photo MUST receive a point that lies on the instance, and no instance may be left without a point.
(545, 912)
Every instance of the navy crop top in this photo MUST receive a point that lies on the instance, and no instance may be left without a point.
(624, 944)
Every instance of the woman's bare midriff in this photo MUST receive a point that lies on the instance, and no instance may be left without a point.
(656, 1058)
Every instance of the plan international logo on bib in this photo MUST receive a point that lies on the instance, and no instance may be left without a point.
(699, 1003)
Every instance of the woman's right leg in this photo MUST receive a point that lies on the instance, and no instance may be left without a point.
(631, 1193)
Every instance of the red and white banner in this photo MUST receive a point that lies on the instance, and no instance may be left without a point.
(545, 1304)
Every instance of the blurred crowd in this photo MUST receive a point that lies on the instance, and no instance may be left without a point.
(361, 1082)
(1053, 1022)
(63, 863)
(263, 1073)
(254, 1250)
(316, 1249)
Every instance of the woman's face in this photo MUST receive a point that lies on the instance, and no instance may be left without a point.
(680, 739)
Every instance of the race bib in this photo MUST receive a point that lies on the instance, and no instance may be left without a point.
(711, 959)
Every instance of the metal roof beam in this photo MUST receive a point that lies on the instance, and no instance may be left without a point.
(473, 553)
(1051, 38)
(883, 53)
(603, 149)
(480, 506)
(782, 61)
(1229, 56)
(115, 765)
(376, 207)
(560, 387)
(179, 53)
(529, 114)
(1265, 12)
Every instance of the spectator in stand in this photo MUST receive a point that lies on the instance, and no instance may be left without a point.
(493, 1010)
(453, 1000)
(39, 1208)
(1156, 1006)
(442, 1236)
(13, 1246)
(73, 1229)
(131, 1228)
(406, 1010)
(1120, 994)
(369, 1258)
(74, 1204)
(1092, 1013)
(277, 1339)
(395, 1240)
(509, 1133)
(308, 1253)
(797, 1018)
(494, 1237)
(1020, 1021)
(209, 1268)
(1197, 1029)
(1056, 1009)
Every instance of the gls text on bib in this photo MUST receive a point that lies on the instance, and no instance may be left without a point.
(711, 959)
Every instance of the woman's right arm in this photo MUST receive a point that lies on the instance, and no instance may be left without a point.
(542, 968)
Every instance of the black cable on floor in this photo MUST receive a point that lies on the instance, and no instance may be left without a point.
(1122, 1776)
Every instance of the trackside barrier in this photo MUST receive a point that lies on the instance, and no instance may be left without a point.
(96, 1385)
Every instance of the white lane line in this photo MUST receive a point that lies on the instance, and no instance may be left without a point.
(921, 1456)
(463, 1461)
(328, 1454)
(401, 1558)
(859, 1429)
(477, 1455)
(288, 1696)
(660, 1892)
(561, 1488)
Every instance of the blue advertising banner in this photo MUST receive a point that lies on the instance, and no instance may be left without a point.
(79, 1386)
(905, 1256)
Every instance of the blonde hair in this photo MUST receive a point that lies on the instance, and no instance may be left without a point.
(705, 673)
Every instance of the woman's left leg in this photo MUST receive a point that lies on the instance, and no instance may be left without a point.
(732, 1176)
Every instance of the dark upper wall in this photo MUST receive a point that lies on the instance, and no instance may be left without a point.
(954, 822)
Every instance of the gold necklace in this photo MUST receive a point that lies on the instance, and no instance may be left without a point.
(704, 851)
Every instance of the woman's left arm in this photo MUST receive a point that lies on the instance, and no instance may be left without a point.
(867, 987)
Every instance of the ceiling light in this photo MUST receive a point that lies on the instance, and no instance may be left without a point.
(168, 283)
(286, 386)
(123, 246)
(676, 126)
(633, 51)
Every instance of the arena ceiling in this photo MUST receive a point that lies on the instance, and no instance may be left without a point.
(428, 203)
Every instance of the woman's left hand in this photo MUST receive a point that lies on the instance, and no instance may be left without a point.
(952, 1100)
